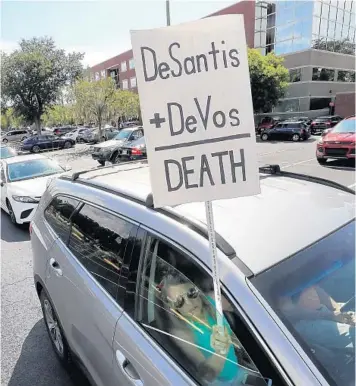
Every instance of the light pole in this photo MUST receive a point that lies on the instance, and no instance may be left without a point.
(168, 13)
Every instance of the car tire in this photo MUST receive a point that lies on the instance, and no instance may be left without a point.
(67, 145)
(5, 140)
(115, 158)
(296, 137)
(35, 149)
(264, 137)
(102, 163)
(11, 213)
(55, 330)
(322, 161)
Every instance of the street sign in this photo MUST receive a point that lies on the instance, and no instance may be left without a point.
(196, 106)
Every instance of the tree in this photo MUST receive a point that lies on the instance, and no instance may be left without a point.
(94, 100)
(269, 80)
(124, 104)
(9, 119)
(33, 76)
(343, 46)
(58, 115)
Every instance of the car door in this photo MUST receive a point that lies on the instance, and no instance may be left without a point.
(153, 344)
(87, 286)
(275, 132)
(55, 141)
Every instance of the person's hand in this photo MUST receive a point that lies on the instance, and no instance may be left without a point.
(346, 317)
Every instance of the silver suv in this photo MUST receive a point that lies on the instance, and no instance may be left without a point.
(126, 289)
(15, 136)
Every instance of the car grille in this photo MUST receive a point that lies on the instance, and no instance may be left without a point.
(338, 143)
(336, 152)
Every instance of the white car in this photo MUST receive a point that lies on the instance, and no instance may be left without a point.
(23, 180)
(80, 135)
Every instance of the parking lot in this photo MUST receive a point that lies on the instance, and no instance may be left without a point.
(27, 357)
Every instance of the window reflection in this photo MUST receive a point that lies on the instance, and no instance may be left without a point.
(323, 74)
(346, 76)
(295, 75)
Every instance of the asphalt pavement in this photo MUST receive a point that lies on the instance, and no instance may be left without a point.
(27, 357)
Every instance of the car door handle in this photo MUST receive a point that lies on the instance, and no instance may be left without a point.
(55, 266)
(128, 369)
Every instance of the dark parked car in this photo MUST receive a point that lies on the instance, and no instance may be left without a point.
(7, 152)
(267, 123)
(295, 131)
(109, 150)
(133, 150)
(63, 130)
(320, 124)
(46, 142)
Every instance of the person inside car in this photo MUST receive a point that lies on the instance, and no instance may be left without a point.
(188, 304)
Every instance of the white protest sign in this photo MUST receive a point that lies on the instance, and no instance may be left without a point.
(196, 105)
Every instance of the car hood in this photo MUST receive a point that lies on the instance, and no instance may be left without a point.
(340, 137)
(111, 143)
(33, 187)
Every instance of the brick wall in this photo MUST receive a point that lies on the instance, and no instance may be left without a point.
(345, 104)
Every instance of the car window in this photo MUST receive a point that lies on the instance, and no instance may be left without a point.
(175, 306)
(98, 239)
(313, 293)
(58, 215)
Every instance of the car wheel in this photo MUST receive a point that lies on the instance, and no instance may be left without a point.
(264, 137)
(5, 140)
(322, 161)
(102, 163)
(67, 145)
(115, 159)
(55, 330)
(11, 213)
(35, 149)
(295, 137)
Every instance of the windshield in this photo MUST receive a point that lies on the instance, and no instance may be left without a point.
(123, 134)
(7, 152)
(345, 126)
(32, 168)
(313, 293)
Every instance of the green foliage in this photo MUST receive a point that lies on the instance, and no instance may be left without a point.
(58, 115)
(343, 46)
(125, 103)
(93, 100)
(269, 80)
(33, 75)
(9, 119)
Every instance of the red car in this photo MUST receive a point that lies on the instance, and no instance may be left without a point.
(338, 142)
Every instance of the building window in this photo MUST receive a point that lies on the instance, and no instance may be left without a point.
(295, 75)
(123, 66)
(323, 74)
(133, 83)
(131, 64)
(346, 76)
(103, 74)
(287, 105)
(319, 103)
(125, 84)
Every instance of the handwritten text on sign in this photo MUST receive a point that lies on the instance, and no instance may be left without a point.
(197, 110)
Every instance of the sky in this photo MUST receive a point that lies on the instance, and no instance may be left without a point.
(100, 28)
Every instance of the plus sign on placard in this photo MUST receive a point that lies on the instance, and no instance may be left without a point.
(194, 87)
(156, 120)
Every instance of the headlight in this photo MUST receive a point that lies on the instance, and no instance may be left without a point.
(26, 199)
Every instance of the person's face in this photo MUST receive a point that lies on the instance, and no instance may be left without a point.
(185, 298)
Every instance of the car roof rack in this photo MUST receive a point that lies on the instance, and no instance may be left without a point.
(276, 171)
(76, 175)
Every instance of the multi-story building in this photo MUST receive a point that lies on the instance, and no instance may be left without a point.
(317, 40)
(308, 34)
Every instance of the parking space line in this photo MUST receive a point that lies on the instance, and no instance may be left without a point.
(298, 163)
